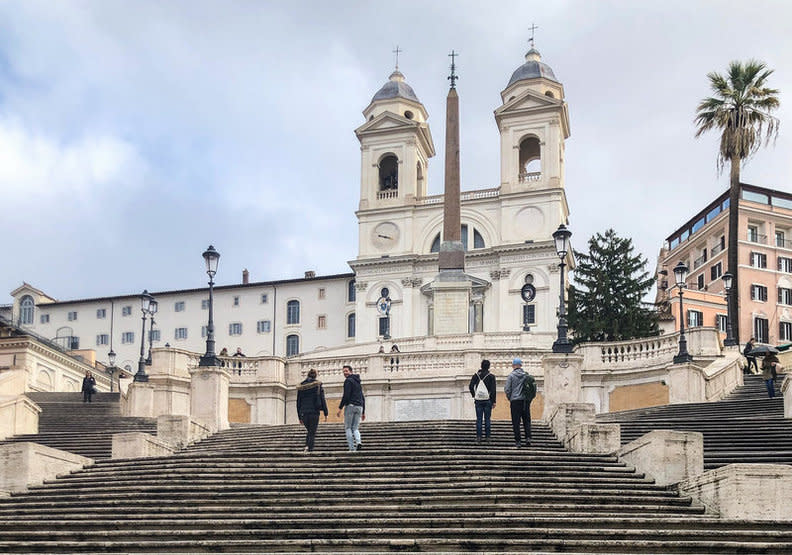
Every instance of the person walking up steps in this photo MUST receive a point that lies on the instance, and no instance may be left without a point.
(354, 406)
(484, 392)
(520, 407)
(310, 402)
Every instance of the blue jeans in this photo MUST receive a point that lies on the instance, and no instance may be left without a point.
(770, 384)
(483, 410)
(352, 415)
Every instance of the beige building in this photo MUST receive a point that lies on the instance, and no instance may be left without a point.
(506, 230)
(765, 265)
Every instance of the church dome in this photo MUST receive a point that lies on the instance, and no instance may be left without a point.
(533, 68)
(395, 88)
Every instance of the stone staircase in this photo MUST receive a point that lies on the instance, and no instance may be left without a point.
(83, 428)
(417, 486)
(745, 427)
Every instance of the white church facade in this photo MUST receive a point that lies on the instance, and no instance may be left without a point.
(506, 232)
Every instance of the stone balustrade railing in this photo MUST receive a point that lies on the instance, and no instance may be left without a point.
(465, 196)
(648, 352)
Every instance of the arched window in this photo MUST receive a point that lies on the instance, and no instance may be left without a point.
(26, 309)
(293, 312)
(478, 239)
(550, 94)
(530, 159)
(292, 345)
(351, 325)
(351, 292)
(389, 173)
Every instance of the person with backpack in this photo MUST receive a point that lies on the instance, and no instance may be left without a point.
(484, 392)
(520, 390)
(310, 402)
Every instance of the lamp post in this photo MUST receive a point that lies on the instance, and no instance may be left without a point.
(728, 281)
(562, 344)
(680, 274)
(211, 257)
(111, 358)
(152, 310)
(145, 305)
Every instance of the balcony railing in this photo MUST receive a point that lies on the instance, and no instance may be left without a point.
(389, 193)
(716, 249)
(756, 238)
(530, 176)
(783, 243)
(699, 261)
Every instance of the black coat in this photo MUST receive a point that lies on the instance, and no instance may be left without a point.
(353, 393)
(489, 381)
(311, 398)
(89, 384)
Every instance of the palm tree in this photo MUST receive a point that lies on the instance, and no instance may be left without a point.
(740, 109)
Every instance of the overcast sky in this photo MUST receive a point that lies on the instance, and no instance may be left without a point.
(134, 134)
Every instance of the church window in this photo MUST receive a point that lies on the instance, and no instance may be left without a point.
(26, 309)
(351, 325)
(408, 114)
(351, 292)
(530, 159)
(321, 322)
(292, 345)
(384, 326)
(550, 94)
(529, 314)
(389, 173)
(293, 312)
(435, 244)
(476, 316)
(478, 240)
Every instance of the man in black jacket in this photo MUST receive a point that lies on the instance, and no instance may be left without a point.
(310, 402)
(354, 406)
(484, 397)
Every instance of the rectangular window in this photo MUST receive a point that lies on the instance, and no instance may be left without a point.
(700, 282)
(154, 335)
(351, 291)
(204, 331)
(785, 265)
(784, 296)
(695, 319)
(758, 260)
(351, 325)
(321, 322)
(785, 331)
(180, 333)
(529, 314)
(780, 236)
(204, 304)
(44, 318)
(101, 313)
(264, 298)
(758, 293)
(761, 330)
(235, 328)
(178, 306)
(720, 322)
(716, 271)
(753, 235)
(263, 326)
(128, 337)
(126, 311)
(292, 345)
(293, 312)
(236, 300)
(72, 316)
(74, 343)
(322, 293)
(102, 339)
(384, 326)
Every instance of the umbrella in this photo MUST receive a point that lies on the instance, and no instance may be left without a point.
(762, 350)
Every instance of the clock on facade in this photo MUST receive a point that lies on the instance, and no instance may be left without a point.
(385, 235)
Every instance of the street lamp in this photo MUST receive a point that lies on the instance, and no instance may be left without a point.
(145, 306)
(680, 274)
(111, 358)
(728, 281)
(152, 310)
(562, 344)
(211, 257)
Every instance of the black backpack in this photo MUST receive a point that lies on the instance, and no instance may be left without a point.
(529, 388)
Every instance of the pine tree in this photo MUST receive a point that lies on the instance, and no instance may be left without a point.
(605, 301)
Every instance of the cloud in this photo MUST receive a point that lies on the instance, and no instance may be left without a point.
(35, 166)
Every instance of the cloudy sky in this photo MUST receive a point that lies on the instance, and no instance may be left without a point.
(134, 134)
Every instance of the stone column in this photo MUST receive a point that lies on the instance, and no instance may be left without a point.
(209, 396)
(561, 380)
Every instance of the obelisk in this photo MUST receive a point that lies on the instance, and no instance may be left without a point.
(451, 289)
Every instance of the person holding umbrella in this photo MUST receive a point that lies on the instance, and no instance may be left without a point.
(770, 366)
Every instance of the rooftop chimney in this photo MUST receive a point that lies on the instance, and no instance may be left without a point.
(245, 277)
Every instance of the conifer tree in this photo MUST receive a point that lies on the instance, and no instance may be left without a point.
(605, 301)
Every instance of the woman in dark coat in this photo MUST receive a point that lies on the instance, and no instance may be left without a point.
(310, 402)
(88, 386)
